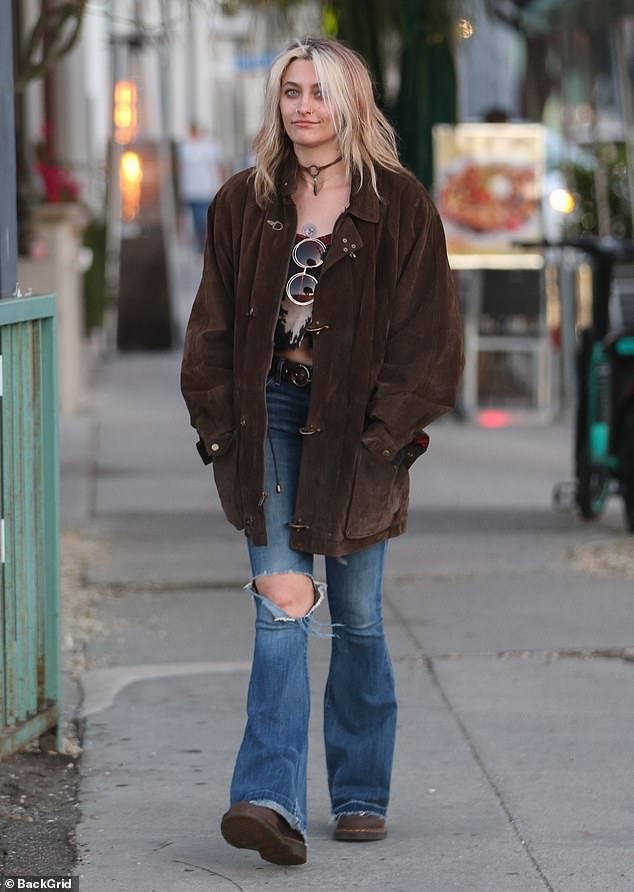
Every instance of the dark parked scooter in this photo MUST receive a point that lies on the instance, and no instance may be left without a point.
(604, 434)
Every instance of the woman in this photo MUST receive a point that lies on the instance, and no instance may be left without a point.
(323, 338)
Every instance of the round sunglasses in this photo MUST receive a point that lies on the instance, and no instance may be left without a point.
(308, 254)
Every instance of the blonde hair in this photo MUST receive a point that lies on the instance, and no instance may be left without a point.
(365, 136)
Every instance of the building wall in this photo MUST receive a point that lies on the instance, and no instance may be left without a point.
(490, 65)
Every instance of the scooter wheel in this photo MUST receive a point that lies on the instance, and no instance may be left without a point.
(625, 452)
(592, 490)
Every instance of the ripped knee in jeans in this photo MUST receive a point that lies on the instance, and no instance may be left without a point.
(281, 599)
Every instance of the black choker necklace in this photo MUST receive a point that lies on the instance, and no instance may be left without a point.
(314, 170)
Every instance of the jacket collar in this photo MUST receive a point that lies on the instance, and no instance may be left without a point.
(364, 202)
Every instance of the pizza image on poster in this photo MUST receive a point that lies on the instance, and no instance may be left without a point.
(488, 184)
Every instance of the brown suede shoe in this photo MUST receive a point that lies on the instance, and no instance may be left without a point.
(248, 826)
(360, 828)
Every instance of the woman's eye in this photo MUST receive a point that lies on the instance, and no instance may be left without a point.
(291, 92)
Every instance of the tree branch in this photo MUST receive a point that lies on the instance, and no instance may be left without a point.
(50, 29)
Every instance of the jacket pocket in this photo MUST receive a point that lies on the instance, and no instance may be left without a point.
(225, 474)
(379, 489)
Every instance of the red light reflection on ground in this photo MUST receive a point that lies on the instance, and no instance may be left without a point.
(494, 418)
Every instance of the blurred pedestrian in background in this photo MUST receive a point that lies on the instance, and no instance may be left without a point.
(324, 337)
(200, 175)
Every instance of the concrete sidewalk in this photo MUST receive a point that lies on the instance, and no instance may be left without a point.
(513, 764)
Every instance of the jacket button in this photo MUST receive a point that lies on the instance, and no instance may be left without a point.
(215, 447)
(345, 241)
(243, 421)
(387, 453)
(345, 250)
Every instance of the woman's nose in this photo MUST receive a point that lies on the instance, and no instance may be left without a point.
(303, 105)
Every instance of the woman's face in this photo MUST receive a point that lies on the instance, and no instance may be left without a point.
(305, 115)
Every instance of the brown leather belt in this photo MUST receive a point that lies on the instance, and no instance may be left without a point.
(298, 373)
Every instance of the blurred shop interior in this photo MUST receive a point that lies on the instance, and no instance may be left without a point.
(518, 116)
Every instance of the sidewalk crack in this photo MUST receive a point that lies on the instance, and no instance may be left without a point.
(626, 654)
(213, 873)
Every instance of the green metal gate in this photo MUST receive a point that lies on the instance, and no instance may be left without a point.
(29, 538)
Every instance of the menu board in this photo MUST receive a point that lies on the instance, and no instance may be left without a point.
(488, 185)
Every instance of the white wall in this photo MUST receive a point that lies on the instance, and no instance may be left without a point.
(489, 65)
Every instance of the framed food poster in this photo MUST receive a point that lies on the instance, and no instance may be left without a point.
(488, 185)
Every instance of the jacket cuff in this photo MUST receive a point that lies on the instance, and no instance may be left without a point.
(210, 448)
(377, 439)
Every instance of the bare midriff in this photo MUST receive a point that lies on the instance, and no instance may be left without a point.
(299, 354)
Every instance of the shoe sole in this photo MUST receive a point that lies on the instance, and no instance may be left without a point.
(250, 832)
(359, 835)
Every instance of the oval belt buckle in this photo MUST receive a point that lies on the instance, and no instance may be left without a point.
(300, 375)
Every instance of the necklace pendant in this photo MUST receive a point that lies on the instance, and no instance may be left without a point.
(314, 170)
(309, 230)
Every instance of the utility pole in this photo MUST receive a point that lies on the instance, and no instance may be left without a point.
(191, 70)
(8, 224)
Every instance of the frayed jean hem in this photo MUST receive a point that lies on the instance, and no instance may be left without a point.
(356, 807)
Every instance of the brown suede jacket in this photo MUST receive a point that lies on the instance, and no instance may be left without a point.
(387, 356)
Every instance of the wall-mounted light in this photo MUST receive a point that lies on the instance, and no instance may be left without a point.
(464, 29)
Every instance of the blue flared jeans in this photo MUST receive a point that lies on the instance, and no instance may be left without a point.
(360, 702)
